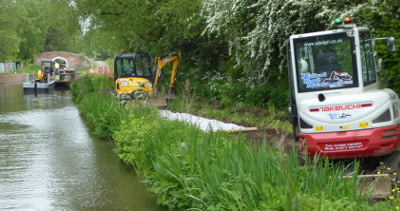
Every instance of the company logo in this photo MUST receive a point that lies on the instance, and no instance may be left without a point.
(339, 116)
(341, 107)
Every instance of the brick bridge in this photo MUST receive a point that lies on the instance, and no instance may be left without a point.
(72, 61)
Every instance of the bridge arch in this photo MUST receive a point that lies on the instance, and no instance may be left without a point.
(73, 61)
(65, 61)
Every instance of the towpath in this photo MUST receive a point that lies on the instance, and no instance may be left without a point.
(102, 67)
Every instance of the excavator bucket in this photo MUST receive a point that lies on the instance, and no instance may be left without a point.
(378, 185)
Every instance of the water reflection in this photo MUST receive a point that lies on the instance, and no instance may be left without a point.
(49, 160)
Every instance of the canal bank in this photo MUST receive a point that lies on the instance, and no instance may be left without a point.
(49, 160)
(12, 78)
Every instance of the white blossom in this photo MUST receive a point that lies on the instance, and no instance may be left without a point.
(257, 30)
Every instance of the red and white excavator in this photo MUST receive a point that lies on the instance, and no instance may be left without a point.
(339, 107)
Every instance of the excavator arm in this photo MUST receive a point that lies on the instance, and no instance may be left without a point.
(160, 63)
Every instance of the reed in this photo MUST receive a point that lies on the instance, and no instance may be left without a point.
(190, 169)
(90, 83)
(101, 111)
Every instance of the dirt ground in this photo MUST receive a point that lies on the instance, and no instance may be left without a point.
(283, 142)
(12, 78)
(101, 67)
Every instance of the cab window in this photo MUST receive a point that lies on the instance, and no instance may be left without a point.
(367, 58)
(325, 62)
(143, 65)
(125, 68)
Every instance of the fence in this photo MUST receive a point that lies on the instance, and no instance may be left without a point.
(8, 66)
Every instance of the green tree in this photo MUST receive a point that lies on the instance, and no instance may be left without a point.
(383, 17)
(63, 31)
(28, 27)
(258, 30)
(135, 25)
(9, 21)
(224, 43)
(31, 30)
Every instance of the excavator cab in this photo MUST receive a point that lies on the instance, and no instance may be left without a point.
(47, 69)
(134, 77)
(132, 74)
(128, 65)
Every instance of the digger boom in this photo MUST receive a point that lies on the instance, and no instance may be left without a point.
(161, 62)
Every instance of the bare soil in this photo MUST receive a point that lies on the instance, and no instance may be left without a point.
(281, 140)
(102, 67)
(12, 78)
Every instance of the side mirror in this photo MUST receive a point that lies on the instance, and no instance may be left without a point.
(390, 44)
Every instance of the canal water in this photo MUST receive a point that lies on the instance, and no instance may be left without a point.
(50, 161)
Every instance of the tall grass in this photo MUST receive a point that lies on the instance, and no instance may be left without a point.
(88, 84)
(103, 114)
(239, 113)
(190, 169)
(101, 111)
(185, 101)
(30, 68)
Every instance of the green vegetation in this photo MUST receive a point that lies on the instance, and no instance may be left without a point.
(30, 68)
(105, 115)
(187, 168)
(238, 113)
(233, 51)
(233, 68)
(82, 70)
(31, 27)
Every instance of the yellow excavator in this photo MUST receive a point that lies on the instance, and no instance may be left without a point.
(136, 80)
(46, 70)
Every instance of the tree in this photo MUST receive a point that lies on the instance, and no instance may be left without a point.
(9, 21)
(63, 30)
(27, 26)
(31, 30)
(137, 25)
(238, 40)
(258, 30)
(383, 17)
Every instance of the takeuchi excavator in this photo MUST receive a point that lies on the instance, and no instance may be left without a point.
(135, 79)
(339, 107)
